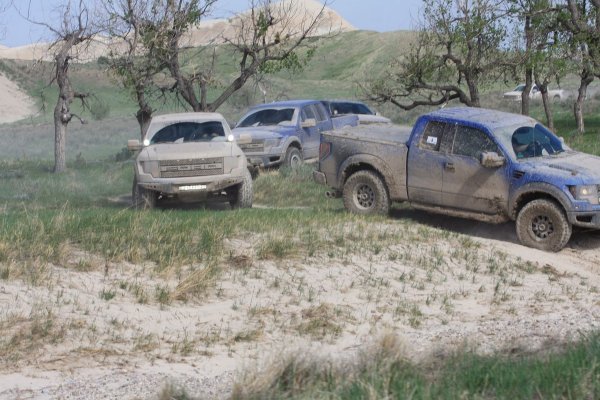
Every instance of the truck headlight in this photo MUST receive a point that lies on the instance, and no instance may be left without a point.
(587, 193)
(151, 167)
(272, 142)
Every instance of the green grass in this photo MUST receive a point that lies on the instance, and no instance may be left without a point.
(383, 372)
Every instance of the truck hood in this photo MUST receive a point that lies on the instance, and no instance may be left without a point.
(265, 132)
(581, 167)
(188, 150)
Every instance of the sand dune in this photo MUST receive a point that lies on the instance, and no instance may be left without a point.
(207, 32)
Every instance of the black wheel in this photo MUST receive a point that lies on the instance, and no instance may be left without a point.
(542, 224)
(142, 199)
(556, 98)
(241, 195)
(293, 158)
(365, 193)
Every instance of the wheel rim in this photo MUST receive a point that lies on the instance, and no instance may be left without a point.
(364, 196)
(295, 161)
(542, 227)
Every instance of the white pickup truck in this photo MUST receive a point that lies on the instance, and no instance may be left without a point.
(190, 157)
(534, 94)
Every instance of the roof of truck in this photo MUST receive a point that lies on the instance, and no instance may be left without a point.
(482, 116)
(287, 103)
(189, 116)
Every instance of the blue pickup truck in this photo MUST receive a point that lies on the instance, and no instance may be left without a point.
(468, 162)
(286, 133)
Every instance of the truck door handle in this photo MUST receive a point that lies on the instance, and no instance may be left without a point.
(449, 166)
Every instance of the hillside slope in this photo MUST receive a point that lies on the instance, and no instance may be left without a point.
(333, 72)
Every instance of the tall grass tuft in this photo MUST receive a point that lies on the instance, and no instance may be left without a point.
(383, 372)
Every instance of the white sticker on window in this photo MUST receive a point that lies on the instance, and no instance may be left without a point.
(432, 140)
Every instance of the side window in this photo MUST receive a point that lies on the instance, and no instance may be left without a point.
(472, 142)
(308, 113)
(432, 136)
(319, 112)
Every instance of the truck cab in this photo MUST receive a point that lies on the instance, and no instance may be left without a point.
(286, 133)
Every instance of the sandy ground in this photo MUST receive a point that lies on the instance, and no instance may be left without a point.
(468, 283)
(15, 105)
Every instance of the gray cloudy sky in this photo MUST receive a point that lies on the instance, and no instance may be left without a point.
(377, 15)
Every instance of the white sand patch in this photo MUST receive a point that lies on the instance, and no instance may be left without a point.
(15, 105)
(436, 294)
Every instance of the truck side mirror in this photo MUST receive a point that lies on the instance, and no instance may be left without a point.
(244, 139)
(309, 123)
(491, 159)
(134, 145)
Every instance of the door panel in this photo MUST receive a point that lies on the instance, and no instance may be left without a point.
(311, 137)
(426, 161)
(469, 186)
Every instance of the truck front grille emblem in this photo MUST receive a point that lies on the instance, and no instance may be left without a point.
(191, 167)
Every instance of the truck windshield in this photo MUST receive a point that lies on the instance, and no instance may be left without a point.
(531, 141)
(268, 117)
(342, 108)
(180, 132)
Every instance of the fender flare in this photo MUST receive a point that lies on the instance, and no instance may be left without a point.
(373, 161)
(538, 188)
(292, 140)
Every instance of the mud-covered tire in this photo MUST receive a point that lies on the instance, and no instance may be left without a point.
(142, 199)
(241, 196)
(293, 158)
(542, 224)
(365, 193)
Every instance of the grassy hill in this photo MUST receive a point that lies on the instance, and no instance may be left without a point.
(338, 65)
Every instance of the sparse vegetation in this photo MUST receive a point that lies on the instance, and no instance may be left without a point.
(384, 371)
(294, 268)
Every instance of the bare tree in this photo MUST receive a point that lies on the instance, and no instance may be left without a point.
(266, 39)
(581, 19)
(543, 55)
(458, 50)
(72, 34)
(133, 57)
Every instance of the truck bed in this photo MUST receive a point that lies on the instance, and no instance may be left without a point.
(379, 133)
(382, 145)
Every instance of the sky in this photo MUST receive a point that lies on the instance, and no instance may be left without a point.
(376, 15)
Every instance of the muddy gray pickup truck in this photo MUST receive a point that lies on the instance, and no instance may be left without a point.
(287, 132)
(190, 157)
(467, 162)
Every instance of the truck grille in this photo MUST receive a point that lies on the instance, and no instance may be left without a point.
(257, 146)
(192, 167)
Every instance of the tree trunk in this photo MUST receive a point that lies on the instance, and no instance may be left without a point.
(144, 113)
(144, 116)
(547, 107)
(473, 86)
(60, 137)
(525, 99)
(586, 79)
(62, 113)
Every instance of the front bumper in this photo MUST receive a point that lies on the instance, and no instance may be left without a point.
(196, 186)
(264, 160)
(585, 219)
